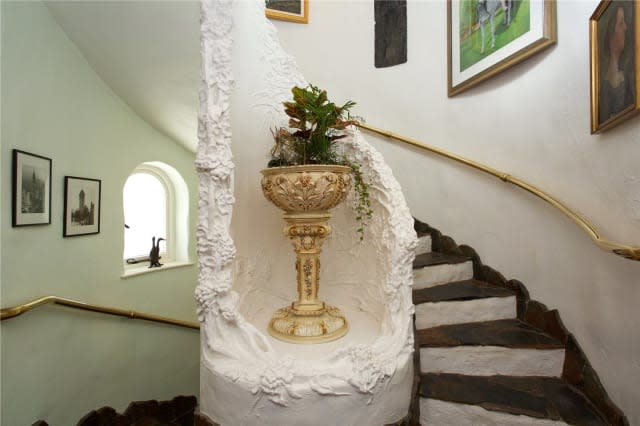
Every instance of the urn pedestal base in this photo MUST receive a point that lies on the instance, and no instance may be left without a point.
(308, 324)
(306, 193)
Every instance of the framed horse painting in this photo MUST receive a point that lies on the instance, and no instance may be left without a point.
(485, 37)
(615, 63)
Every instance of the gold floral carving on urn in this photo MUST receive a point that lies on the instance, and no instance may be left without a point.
(309, 188)
(307, 278)
(306, 193)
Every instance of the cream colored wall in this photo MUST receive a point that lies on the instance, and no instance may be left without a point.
(59, 364)
(531, 121)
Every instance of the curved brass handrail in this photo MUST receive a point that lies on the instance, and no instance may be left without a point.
(626, 251)
(15, 311)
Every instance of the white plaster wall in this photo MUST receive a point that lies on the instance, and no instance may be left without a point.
(58, 364)
(351, 274)
(531, 121)
(369, 368)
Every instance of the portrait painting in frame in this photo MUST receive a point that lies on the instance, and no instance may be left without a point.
(81, 206)
(615, 70)
(288, 10)
(31, 190)
(486, 37)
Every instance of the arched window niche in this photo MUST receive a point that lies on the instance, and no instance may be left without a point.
(155, 201)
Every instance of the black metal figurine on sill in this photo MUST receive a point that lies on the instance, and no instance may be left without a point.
(154, 254)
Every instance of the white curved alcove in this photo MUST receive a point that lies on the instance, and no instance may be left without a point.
(247, 265)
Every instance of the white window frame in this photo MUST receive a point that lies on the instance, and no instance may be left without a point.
(177, 219)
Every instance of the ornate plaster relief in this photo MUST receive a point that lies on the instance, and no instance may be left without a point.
(367, 374)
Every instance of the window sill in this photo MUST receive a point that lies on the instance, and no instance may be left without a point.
(134, 271)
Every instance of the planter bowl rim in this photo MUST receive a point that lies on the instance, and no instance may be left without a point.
(335, 168)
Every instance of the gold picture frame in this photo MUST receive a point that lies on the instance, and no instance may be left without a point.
(614, 38)
(287, 10)
(520, 29)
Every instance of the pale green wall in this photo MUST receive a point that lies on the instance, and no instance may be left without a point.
(58, 364)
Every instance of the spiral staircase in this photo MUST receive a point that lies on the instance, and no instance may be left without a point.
(486, 354)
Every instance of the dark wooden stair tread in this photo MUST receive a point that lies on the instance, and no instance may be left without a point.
(177, 412)
(436, 258)
(510, 333)
(458, 291)
(541, 397)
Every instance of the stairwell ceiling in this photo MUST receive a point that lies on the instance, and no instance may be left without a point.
(148, 52)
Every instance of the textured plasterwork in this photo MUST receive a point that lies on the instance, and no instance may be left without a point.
(233, 349)
(217, 303)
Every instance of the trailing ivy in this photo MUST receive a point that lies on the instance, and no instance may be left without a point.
(362, 204)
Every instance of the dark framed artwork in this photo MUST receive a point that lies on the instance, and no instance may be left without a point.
(390, 17)
(81, 206)
(615, 63)
(486, 37)
(31, 190)
(288, 10)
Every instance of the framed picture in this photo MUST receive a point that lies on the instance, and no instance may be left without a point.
(31, 190)
(288, 10)
(81, 206)
(615, 63)
(485, 37)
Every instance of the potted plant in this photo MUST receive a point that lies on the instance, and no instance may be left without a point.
(306, 176)
(316, 126)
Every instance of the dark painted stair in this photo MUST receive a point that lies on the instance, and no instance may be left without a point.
(459, 290)
(539, 397)
(180, 411)
(576, 398)
(507, 333)
(434, 258)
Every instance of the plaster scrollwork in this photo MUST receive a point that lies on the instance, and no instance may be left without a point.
(233, 347)
(217, 303)
(224, 202)
(276, 381)
(371, 368)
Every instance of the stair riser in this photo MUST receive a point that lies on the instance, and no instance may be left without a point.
(424, 245)
(444, 413)
(458, 312)
(431, 276)
(492, 360)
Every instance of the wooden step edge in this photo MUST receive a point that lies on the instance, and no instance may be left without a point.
(539, 397)
(459, 291)
(510, 333)
(434, 258)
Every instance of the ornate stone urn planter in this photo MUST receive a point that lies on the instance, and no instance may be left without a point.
(306, 193)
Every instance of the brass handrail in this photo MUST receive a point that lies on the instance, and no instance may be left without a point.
(624, 250)
(15, 311)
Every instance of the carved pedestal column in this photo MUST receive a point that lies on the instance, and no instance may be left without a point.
(306, 193)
